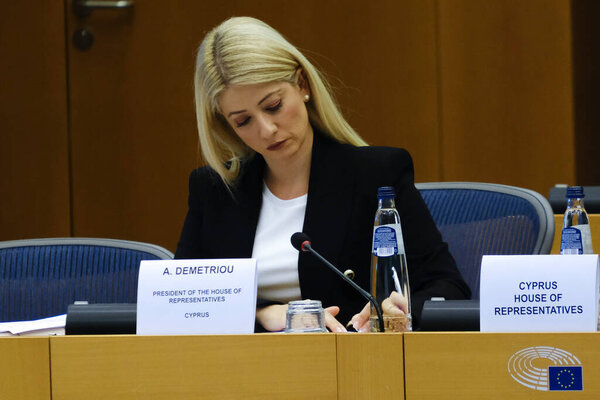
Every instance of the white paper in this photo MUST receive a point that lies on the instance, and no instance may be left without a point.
(539, 293)
(39, 327)
(216, 296)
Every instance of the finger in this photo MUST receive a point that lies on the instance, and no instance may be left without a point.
(364, 326)
(389, 308)
(333, 310)
(399, 300)
(331, 323)
(272, 318)
(360, 321)
(394, 305)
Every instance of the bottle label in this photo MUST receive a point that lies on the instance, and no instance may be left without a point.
(586, 238)
(387, 240)
(570, 242)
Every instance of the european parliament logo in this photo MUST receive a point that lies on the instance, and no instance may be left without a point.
(565, 378)
(546, 369)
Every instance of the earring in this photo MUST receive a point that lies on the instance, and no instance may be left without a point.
(306, 98)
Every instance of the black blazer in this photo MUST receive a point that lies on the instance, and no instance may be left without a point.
(340, 210)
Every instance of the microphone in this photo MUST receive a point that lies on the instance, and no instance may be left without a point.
(301, 242)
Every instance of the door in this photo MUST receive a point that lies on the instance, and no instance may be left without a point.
(34, 156)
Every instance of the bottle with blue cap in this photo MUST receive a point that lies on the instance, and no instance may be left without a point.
(576, 236)
(389, 273)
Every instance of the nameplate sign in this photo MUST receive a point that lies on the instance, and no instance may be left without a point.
(179, 297)
(542, 293)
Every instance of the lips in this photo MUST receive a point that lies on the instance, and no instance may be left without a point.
(276, 146)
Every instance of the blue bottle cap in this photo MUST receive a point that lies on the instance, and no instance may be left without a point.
(575, 192)
(386, 192)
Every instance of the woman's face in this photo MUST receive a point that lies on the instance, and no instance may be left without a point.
(270, 118)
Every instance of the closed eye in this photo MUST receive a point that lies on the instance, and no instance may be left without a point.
(242, 123)
(274, 107)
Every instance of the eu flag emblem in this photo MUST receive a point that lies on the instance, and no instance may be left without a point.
(565, 378)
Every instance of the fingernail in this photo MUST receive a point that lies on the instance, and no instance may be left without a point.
(340, 329)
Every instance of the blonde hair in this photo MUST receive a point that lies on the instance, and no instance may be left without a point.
(244, 51)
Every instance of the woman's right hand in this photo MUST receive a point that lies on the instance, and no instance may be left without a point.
(272, 317)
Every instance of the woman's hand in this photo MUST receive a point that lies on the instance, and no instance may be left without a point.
(393, 306)
(272, 318)
(360, 321)
(330, 322)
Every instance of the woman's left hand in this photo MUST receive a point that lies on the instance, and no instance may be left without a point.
(396, 304)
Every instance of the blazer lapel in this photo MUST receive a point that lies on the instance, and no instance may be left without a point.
(329, 203)
(248, 195)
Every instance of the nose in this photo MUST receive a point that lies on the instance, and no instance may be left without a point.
(267, 126)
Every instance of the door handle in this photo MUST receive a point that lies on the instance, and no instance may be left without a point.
(83, 8)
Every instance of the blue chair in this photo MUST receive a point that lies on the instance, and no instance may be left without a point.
(40, 277)
(477, 219)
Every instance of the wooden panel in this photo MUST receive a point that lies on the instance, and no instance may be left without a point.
(476, 365)
(194, 367)
(586, 63)
(133, 124)
(370, 366)
(382, 58)
(25, 368)
(506, 92)
(594, 227)
(34, 189)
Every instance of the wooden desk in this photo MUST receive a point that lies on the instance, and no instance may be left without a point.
(24, 368)
(594, 227)
(473, 365)
(213, 367)
(370, 366)
(265, 366)
(411, 366)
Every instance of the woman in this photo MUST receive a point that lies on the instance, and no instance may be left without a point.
(281, 158)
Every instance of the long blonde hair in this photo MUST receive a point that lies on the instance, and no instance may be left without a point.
(244, 51)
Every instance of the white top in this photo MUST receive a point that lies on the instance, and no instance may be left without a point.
(277, 260)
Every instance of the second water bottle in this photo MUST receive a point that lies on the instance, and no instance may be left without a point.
(389, 273)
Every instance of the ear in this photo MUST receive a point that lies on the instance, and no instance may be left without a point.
(302, 81)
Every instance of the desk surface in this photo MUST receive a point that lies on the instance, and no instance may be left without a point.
(478, 366)
(309, 366)
(194, 367)
(442, 365)
(25, 368)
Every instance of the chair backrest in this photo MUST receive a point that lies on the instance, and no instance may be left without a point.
(41, 277)
(477, 219)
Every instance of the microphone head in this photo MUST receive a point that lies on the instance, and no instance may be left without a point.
(298, 239)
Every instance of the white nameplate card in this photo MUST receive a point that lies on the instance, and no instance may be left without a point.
(542, 293)
(180, 297)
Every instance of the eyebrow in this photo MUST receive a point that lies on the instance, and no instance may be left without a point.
(259, 103)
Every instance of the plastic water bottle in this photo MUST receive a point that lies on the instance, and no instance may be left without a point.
(389, 272)
(576, 236)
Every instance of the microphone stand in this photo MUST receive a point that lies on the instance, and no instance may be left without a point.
(306, 245)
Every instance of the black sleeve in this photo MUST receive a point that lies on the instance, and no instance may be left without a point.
(190, 241)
